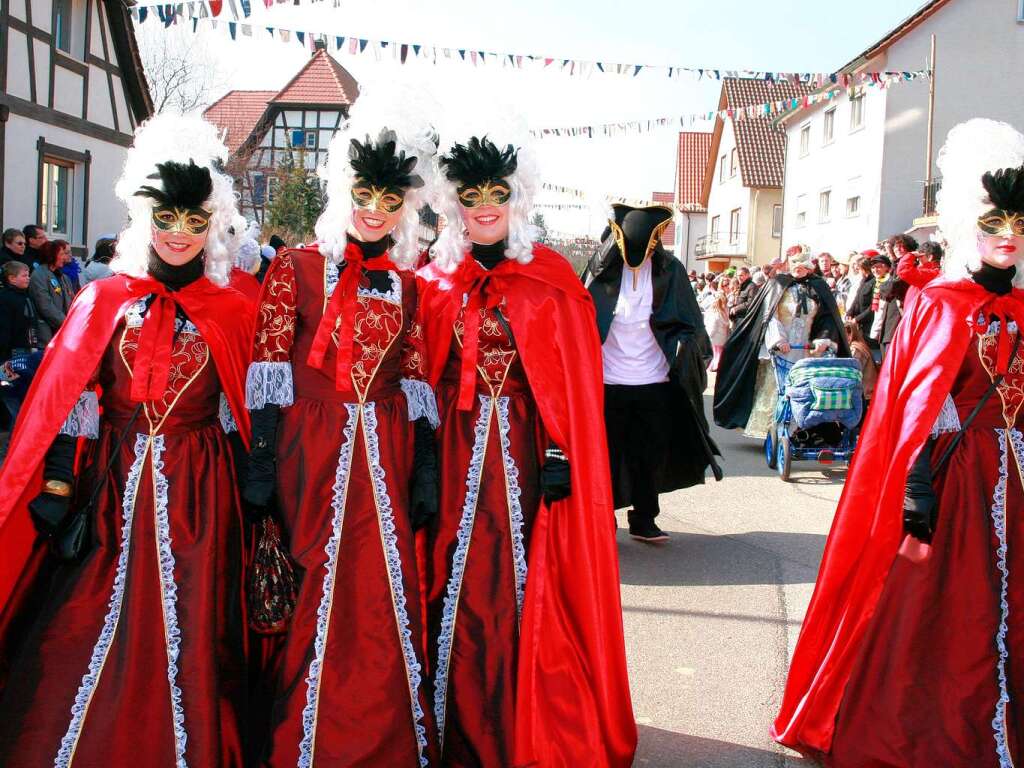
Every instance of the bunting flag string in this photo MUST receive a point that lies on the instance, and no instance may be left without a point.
(579, 194)
(233, 14)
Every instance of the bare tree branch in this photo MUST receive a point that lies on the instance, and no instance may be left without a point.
(182, 72)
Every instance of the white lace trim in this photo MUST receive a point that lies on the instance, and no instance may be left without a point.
(84, 419)
(136, 313)
(948, 420)
(341, 480)
(458, 569)
(515, 509)
(389, 539)
(269, 383)
(422, 403)
(394, 295)
(227, 418)
(999, 526)
(169, 598)
(99, 652)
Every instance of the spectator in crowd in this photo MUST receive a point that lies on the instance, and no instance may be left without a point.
(746, 292)
(841, 281)
(919, 268)
(14, 246)
(50, 288)
(759, 278)
(277, 244)
(860, 270)
(885, 310)
(860, 308)
(19, 333)
(35, 239)
(860, 351)
(73, 272)
(99, 265)
(716, 323)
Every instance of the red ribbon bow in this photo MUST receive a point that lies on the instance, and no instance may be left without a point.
(1002, 308)
(480, 295)
(152, 368)
(343, 304)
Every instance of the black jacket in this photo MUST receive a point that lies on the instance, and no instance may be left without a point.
(18, 328)
(744, 300)
(678, 328)
(893, 292)
(6, 254)
(737, 370)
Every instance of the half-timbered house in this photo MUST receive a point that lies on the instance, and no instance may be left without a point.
(72, 90)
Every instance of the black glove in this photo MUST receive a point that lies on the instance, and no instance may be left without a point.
(920, 506)
(50, 511)
(423, 500)
(260, 487)
(555, 482)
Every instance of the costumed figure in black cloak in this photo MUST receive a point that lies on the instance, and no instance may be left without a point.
(795, 315)
(655, 353)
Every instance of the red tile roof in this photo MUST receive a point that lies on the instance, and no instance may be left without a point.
(238, 112)
(322, 81)
(668, 198)
(692, 164)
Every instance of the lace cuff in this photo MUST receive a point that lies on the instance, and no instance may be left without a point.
(227, 418)
(84, 419)
(269, 383)
(422, 403)
(949, 419)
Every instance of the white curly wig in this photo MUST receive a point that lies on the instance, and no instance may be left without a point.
(502, 127)
(971, 149)
(405, 112)
(175, 138)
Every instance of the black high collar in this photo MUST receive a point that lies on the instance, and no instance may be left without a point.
(489, 256)
(175, 277)
(374, 249)
(995, 280)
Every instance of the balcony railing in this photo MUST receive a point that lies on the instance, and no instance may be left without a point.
(930, 193)
(718, 245)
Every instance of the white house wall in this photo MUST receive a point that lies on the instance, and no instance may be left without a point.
(979, 53)
(848, 166)
(728, 195)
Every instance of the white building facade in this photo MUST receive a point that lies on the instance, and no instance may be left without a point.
(72, 92)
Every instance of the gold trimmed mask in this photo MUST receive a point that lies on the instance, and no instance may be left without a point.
(388, 199)
(191, 221)
(495, 193)
(1001, 223)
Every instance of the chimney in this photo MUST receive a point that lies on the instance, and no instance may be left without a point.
(320, 44)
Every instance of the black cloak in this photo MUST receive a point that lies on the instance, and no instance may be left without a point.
(737, 369)
(678, 327)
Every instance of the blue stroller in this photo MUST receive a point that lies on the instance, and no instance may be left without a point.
(820, 405)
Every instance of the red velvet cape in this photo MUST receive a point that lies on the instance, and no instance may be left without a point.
(917, 375)
(223, 317)
(573, 704)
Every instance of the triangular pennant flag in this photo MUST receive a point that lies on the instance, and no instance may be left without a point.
(637, 70)
(404, 53)
(216, 6)
(338, 42)
(143, 13)
(416, 49)
(285, 34)
(462, 53)
(232, 29)
(362, 44)
(301, 37)
(270, 31)
(353, 46)
(246, 8)
(195, 23)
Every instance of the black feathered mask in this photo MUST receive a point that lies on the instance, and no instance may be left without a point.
(183, 186)
(479, 161)
(1005, 189)
(381, 164)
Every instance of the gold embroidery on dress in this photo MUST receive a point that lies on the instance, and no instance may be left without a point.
(275, 329)
(1011, 388)
(494, 359)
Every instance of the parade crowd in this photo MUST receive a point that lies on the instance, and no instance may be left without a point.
(352, 503)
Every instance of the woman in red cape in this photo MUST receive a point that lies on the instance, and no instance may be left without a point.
(526, 643)
(337, 399)
(907, 656)
(136, 651)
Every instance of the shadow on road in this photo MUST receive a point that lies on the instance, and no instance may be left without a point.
(695, 559)
(665, 749)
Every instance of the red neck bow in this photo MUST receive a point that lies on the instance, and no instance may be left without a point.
(343, 304)
(480, 294)
(152, 368)
(1005, 309)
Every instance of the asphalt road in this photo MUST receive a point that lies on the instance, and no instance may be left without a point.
(711, 617)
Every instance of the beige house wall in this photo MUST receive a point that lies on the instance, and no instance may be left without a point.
(762, 247)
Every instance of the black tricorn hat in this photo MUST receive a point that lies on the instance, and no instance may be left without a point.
(638, 230)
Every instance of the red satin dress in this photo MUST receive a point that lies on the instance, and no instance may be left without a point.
(490, 494)
(349, 676)
(136, 656)
(940, 678)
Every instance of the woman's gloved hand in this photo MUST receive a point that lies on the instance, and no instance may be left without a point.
(920, 505)
(260, 488)
(425, 492)
(51, 508)
(555, 480)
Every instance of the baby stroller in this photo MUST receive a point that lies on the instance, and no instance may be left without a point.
(821, 400)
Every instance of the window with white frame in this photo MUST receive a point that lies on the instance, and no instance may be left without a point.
(1020, 10)
(829, 126)
(310, 139)
(734, 226)
(856, 112)
(58, 198)
(824, 204)
(721, 169)
(805, 140)
(732, 162)
(715, 222)
(776, 221)
(853, 206)
(801, 211)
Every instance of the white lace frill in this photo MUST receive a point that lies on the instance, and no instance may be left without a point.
(91, 679)
(84, 419)
(393, 295)
(999, 526)
(515, 509)
(269, 383)
(386, 518)
(340, 494)
(227, 418)
(948, 420)
(458, 568)
(421, 400)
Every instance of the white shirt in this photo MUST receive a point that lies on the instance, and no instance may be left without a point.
(631, 354)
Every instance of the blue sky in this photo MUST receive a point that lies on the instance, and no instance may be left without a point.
(798, 35)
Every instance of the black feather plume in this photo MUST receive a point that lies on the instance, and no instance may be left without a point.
(380, 164)
(478, 161)
(184, 186)
(1005, 188)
